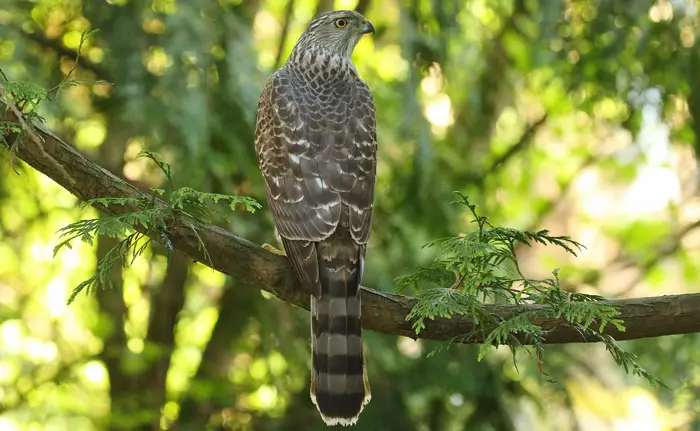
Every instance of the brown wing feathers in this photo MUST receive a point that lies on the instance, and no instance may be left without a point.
(316, 145)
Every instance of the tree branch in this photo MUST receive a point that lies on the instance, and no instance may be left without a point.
(518, 146)
(362, 6)
(521, 145)
(383, 312)
(289, 10)
(323, 6)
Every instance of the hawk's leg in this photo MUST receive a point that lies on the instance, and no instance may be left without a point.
(277, 251)
(273, 249)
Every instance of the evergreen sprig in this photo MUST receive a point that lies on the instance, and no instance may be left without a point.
(481, 267)
(184, 204)
(26, 97)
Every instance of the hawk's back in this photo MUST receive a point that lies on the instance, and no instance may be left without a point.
(316, 145)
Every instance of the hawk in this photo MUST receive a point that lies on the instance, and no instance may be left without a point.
(316, 145)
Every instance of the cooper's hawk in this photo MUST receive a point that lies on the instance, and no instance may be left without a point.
(316, 145)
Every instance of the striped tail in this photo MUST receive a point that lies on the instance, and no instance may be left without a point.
(339, 385)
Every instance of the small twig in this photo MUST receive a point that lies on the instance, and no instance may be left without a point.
(525, 138)
(663, 253)
(83, 37)
(458, 280)
(56, 46)
(516, 264)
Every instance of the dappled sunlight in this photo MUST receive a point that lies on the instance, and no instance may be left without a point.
(662, 10)
(135, 168)
(10, 424)
(265, 398)
(11, 336)
(135, 345)
(90, 134)
(191, 334)
(70, 258)
(439, 112)
(208, 279)
(56, 293)
(620, 409)
(411, 348)
(390, 66)
(96, 374)
(576, 117)
(643, 413)
(157, 61)
(652, 192)
(39, 351)
(266, 29)
(170, 413)
(240, 366)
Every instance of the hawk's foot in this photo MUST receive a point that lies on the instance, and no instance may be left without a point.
(274, 250)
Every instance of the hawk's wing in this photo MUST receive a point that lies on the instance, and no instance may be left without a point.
(361, 162)
(303, 205)
(316, 151)
(318, 164)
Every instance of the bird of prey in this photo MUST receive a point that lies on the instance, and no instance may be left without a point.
(315, 141)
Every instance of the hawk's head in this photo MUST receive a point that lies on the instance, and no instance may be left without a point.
(337, 31)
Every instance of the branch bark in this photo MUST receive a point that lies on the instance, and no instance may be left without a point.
(254, 266)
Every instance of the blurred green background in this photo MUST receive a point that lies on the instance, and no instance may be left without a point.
(582, 117)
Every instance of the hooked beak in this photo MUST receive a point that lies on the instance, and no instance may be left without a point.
(367, 27)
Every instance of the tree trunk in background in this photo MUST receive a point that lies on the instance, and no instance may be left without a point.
(236, 307)
(111, 301)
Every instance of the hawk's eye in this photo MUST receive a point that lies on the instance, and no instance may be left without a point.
(341, 23)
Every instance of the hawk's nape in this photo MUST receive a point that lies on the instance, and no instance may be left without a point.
(316, 145)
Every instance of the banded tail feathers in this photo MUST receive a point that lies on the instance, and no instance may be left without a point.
(339, 384)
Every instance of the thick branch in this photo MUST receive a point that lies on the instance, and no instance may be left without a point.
(383, 312)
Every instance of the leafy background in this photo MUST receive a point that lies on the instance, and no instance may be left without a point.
(575, 116)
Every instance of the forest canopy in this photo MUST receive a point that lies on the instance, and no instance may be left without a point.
(570, 123)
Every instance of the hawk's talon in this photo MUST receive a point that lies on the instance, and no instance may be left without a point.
(274, 250)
